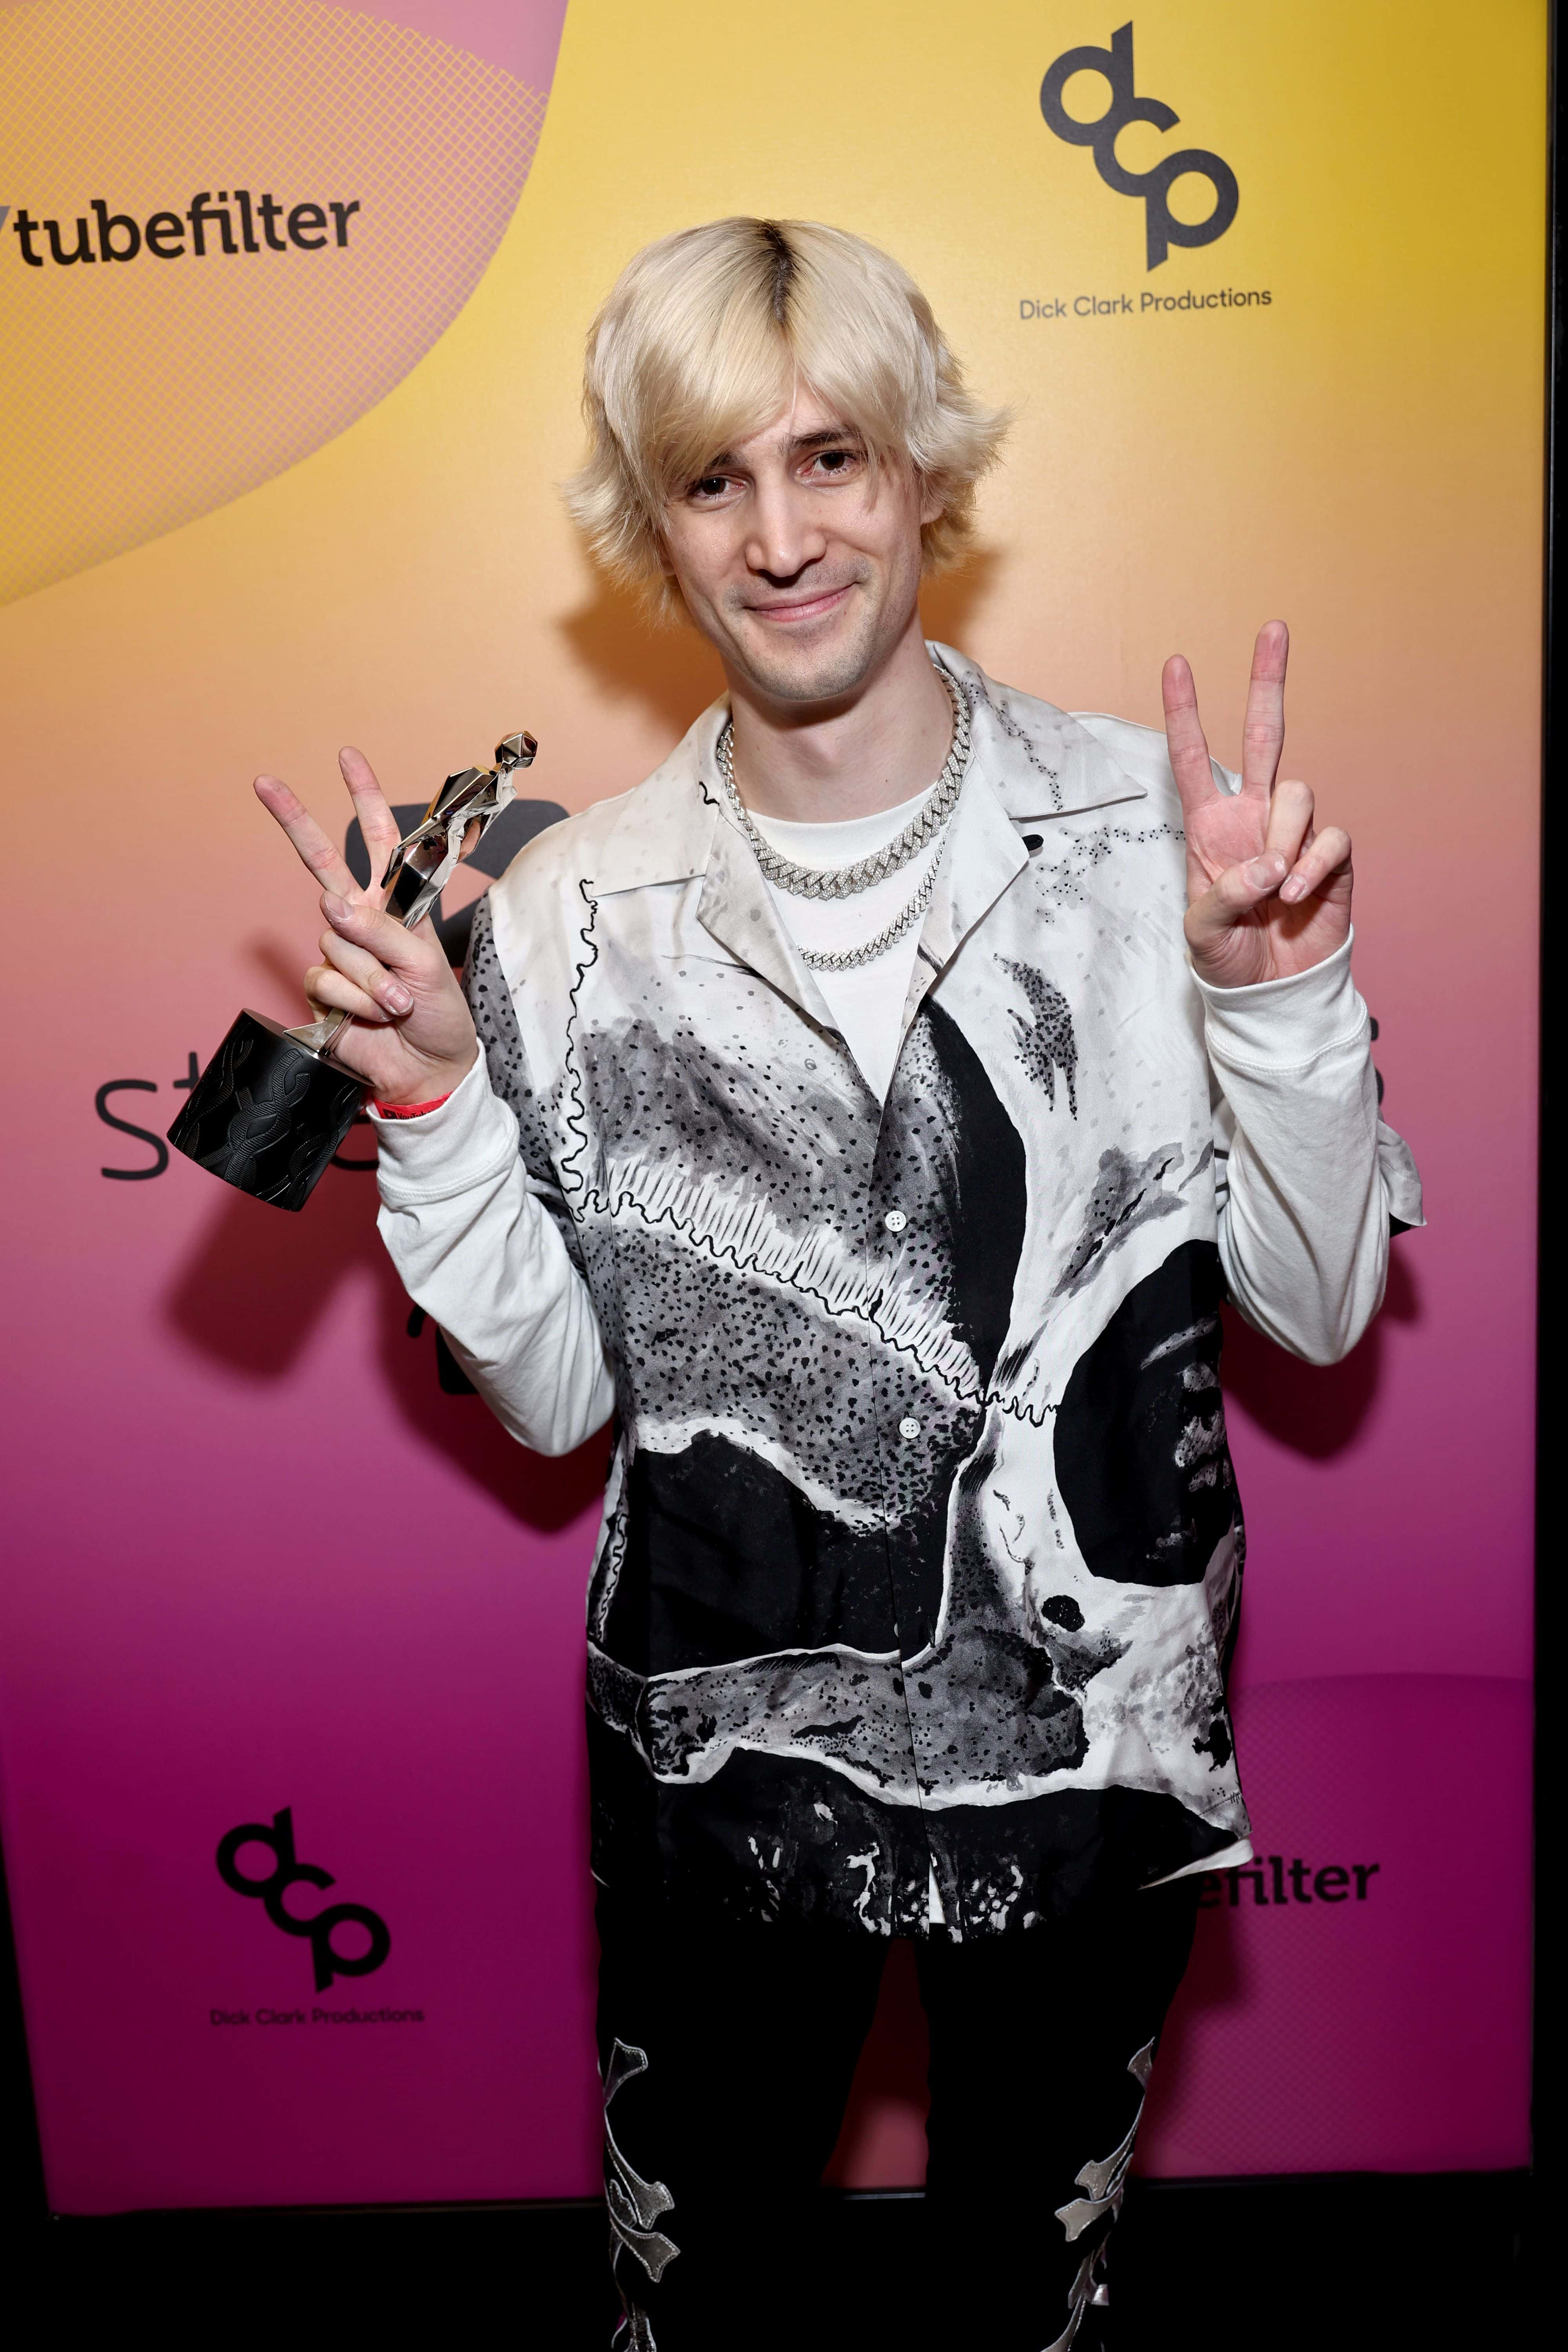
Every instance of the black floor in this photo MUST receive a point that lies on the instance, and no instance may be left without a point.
(1338, 2263)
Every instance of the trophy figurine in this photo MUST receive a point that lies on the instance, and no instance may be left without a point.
(272, 1107)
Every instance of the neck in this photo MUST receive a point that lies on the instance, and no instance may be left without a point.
(817, 763)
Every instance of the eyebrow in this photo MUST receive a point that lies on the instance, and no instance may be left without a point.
(825, 438)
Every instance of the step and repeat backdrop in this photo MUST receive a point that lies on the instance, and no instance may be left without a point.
(292, 304)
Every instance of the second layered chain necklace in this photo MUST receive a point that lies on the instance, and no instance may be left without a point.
(847, 881)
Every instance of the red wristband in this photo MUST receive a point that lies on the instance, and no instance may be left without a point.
(409, 1110)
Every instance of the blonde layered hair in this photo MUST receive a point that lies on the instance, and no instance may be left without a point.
(705, 338)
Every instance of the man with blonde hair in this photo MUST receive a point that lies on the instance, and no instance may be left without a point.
(870, 1111)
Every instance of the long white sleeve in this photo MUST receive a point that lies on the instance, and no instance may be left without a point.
(477, 1249)
(1309, 1176)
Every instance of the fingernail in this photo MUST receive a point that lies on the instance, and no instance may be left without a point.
(1265, 869)
(1293, 887)
(397, 998)
(334, 906)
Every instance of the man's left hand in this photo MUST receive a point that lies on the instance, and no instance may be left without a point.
(1268, 895)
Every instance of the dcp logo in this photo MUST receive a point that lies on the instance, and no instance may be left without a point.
(277, 1837)
(1115, 64)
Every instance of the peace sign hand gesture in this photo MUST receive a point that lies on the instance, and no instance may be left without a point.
(1268, 895)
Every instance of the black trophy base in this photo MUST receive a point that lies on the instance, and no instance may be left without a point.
(266, 1114)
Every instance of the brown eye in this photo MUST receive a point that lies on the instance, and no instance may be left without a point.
(711, 486)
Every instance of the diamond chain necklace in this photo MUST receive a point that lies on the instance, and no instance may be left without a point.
(850, 959)
(847, 881)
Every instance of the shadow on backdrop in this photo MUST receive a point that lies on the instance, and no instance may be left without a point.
(889, 2099)
(255, 1288)
(1318, 1410)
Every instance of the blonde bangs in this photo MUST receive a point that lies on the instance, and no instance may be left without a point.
(704, 339)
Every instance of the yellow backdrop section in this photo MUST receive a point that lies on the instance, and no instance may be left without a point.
(1174, 476)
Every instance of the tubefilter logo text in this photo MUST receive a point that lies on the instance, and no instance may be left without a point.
(204, 229)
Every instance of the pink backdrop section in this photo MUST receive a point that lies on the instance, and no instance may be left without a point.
(522, 38)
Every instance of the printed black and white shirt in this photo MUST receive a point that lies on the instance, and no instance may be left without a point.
(922, 1549)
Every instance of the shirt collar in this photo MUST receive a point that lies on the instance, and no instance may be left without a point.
(665, 830)
(1028, 763)
(1038, 760)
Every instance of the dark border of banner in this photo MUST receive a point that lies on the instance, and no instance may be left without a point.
(1385, 2234)
(1545, 2174)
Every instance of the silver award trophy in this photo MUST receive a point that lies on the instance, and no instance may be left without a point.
(272, 1106)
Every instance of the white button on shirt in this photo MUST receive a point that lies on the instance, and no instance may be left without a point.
(908, 1428)
(895, 1221)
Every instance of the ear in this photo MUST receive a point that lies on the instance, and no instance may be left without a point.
(932, 502)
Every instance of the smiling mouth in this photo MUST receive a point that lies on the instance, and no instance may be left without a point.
(799, 609)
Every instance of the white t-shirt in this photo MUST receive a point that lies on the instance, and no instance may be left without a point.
(866, 1003)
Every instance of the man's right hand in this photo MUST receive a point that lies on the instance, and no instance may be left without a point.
(412, 1038)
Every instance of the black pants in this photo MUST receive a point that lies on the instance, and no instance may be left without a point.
(727, 2057)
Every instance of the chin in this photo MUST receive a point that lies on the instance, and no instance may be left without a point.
(821, 669)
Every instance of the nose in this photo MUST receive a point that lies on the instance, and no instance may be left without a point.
(785, 536)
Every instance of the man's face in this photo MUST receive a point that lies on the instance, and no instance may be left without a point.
(801, 570)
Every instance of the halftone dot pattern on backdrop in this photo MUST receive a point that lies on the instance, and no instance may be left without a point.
(221, 371)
